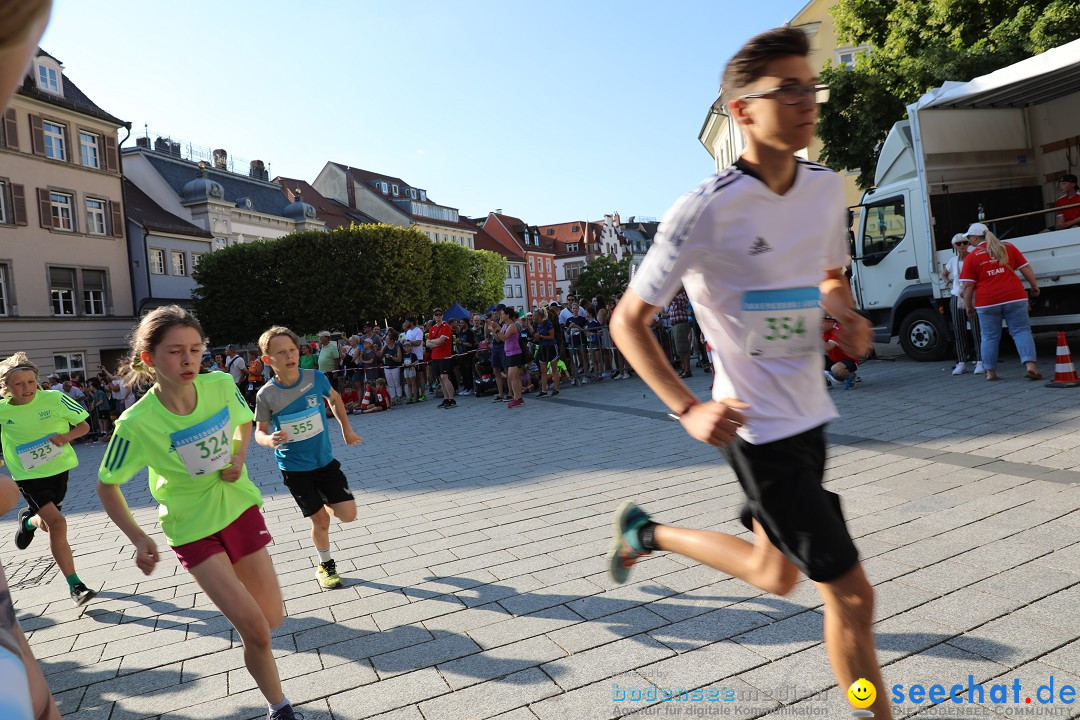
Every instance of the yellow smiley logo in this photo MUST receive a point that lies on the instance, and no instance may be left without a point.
(862, 693)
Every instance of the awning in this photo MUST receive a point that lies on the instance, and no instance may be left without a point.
(1034, 81)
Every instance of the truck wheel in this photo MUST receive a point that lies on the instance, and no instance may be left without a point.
(923, 336)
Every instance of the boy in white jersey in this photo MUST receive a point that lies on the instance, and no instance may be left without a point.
(759, 249)
(289, 420)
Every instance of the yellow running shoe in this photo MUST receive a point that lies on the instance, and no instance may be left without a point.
(327, 574)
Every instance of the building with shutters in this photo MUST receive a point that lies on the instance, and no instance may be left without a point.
(65, 282)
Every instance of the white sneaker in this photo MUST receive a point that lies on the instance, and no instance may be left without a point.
(979, 369)
(960, 369)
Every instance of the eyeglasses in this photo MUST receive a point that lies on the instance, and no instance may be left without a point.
(961, 242)
(793, 94)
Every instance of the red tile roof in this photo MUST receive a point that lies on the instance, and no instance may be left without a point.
(505, 229)
(484, 241)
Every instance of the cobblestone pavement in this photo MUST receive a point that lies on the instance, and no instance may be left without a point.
(475, 584)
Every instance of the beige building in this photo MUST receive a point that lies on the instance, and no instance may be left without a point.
(723, 140)
(393, 201)
(65, 284)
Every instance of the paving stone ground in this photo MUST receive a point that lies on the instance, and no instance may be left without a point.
(475, 585)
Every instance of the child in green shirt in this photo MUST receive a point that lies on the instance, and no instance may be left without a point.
(38, 427)
(192, 431)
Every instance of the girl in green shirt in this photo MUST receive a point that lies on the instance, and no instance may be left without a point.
(192, 431)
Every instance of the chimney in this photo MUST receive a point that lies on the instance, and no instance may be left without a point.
(498, 211)
(258, 170)
(143, 142)
(221, 159)
(350, 188)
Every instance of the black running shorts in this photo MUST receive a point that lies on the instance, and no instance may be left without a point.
(782, 481)
(548, 353)
(39, 492)
(314, 488)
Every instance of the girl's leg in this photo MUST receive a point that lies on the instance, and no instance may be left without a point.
(515, 382)
(248, 594)
(52, 522)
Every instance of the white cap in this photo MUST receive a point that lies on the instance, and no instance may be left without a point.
(976, 229)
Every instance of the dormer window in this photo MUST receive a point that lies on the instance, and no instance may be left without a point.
(574, 229)
(423, 196)
(394, 189)
(412, 193)
(383, 186)
(48, 77)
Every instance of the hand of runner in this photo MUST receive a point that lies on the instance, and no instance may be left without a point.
(278, 439)
(59, 440)
(232, 472)
(714, 422)
(351, 438)
(146, 554)
(856, 337)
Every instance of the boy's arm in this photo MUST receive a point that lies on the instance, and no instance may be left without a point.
(74, 433)
(268, 439)
(856, 336)
(342, 416)
(146, 554)
(711, 422)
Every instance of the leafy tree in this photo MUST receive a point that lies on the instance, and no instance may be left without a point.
(313, 280)
(451, 274)
(488, 275)
(602, 276)
(917, 45)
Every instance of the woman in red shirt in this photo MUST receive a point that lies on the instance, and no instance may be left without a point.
(993, 291)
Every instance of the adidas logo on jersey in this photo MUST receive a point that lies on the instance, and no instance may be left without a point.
(759, 246)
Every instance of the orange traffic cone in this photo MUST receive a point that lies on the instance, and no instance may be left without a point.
(1064, 372)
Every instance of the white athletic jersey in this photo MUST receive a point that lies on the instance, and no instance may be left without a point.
(752, 262)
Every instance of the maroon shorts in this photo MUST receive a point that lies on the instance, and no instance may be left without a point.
(240, 538)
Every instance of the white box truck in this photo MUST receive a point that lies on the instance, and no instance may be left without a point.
(993, 147)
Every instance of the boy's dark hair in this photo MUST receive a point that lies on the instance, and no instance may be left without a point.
(750, 61)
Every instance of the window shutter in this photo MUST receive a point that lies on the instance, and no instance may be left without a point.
(11, 130)
(18, 204)
(112, 163)
(37, 135)
(44, 207)
(69, 155)
(117, 219)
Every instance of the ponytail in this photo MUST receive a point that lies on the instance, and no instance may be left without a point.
(996, 249)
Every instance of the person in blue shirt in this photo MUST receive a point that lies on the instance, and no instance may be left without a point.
(290, 421)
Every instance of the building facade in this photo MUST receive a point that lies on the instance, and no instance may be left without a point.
(514, 287)
(538, 251)
(165, 250)
(569, 240)
(65, 283)
(391, 200)
(231, 206)
(639, 233)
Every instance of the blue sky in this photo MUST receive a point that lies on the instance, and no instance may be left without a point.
(552, 110)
